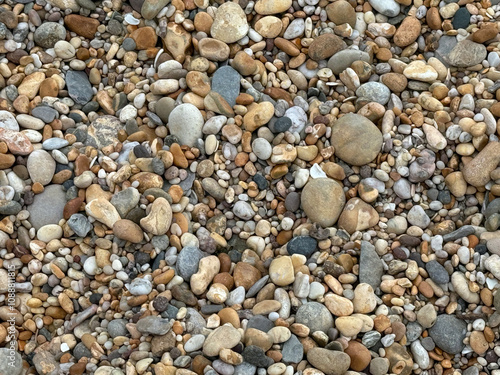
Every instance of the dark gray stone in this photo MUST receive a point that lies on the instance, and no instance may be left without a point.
(448, 333)
(280, 125)
(44, 113)
(461, 19)
(187, 262)
(303, 245)
(10, 208)
(255, 288)
(461, 232)
(79, 87)
(81, 351)
(260, 322)
(256, 356)
(80, 224)
(437, 272)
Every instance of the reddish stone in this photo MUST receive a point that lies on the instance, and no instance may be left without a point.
(17, 142)
(84, 26)
(72, 207)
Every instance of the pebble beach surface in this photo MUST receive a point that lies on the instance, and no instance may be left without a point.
(269, 187)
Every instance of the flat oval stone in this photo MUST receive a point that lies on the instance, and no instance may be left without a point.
(356, 139)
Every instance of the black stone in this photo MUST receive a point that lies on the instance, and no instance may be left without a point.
(281, 125)
(158, 259)
(160, 304)
(79, 87)
(448, 333)
(256, 356)
(461, 19)
(304, 245)
(141, 258)
(261, 181)
(95, 298)
(260, 322)
(417, 258)
(141, 152)
(81, 351)
(481, 249)
(444, 196)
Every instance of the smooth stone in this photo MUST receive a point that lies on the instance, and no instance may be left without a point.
(448, 333)
(329, 361)
(187, 262)
(230, 23)
(54, 144)
(356, 139)
(103, 211)
(322, 200)
(357, 216)
(417, 216)
(151, 8)
(293, 350)
(344, 59)
(388, 8)
(44, 113)
(224, 337)
(79, 87)
(226, 82)
(374, 92)
(47, 207)
(477, 171)
(8, 121)
(467, 53)
(315, 316)
(41, 166)
(48, 34)
(186, 123)
(298, 117)
(303, 245)
(154, 325)
(437, 272)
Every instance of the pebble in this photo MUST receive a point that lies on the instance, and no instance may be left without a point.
(323, 200)
(455, 329)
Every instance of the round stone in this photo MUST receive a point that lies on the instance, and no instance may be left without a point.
(315, 316)
(323, 200)
(356, 139)
(230, 23)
